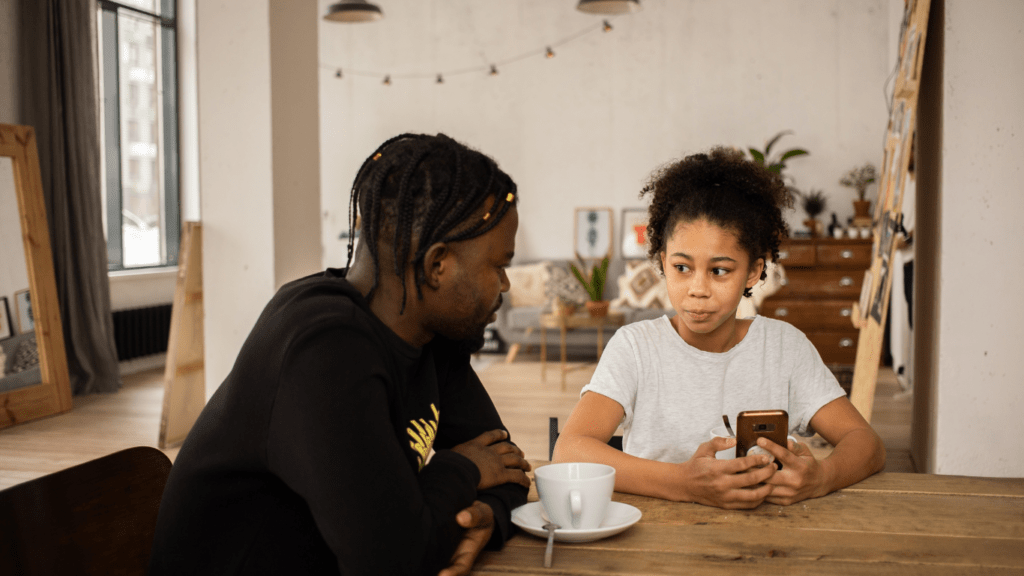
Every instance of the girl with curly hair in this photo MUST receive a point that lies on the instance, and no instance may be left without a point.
(715, 220)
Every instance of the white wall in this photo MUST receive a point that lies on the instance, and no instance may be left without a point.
(976, 379)
(586, 127)
(235, 174)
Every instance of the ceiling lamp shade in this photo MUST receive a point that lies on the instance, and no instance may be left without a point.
(608, 6)
(353, 11)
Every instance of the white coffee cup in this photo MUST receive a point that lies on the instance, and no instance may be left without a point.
(575, 494)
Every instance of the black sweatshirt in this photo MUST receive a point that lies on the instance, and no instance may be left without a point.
(309, 458)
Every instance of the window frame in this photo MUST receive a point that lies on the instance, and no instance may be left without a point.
(169, 157)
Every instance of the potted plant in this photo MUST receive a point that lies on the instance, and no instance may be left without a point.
(858, 178)
(777, 163)
(594, 284)
(813, 203)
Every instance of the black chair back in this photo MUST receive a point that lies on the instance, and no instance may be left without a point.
(95, 518)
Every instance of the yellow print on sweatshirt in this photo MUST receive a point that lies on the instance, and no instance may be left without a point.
(423, 436)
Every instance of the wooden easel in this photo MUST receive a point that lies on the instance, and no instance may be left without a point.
(871, 312)
(184, 375)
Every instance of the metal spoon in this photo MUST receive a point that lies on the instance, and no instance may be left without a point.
(725, 418)
(550, 527)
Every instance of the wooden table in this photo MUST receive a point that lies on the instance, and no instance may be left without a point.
(891, 523)
(563, 323)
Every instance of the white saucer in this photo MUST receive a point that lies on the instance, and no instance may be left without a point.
(617, 518)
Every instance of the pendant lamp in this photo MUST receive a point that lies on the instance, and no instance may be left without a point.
(608, 6)
(354, 11)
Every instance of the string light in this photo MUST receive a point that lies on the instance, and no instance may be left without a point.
(491, 69)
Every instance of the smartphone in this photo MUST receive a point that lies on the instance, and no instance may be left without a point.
(753, 424)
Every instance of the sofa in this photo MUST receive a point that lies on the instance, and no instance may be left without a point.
(19, 362)
(635, 288)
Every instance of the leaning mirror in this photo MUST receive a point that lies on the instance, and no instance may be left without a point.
(33, 365)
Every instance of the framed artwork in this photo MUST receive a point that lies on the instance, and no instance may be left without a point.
(23, 310)
(6, 327)
(593, 233)
(634, 233)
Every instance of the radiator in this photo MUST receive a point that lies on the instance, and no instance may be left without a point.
(142, 331)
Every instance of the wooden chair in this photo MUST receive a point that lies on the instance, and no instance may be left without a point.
(95, 518)
(614, 441)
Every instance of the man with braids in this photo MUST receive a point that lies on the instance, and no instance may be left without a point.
(352, 436)
(715, 220)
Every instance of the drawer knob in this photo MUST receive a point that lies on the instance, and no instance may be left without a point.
(845, 312)
(780, 312)
(846, 342)
(847, 254)
(783, 254)
(846, 281)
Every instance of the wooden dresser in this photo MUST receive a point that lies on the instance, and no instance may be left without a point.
(823, 280)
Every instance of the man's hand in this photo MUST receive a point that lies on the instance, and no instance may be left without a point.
(801, 477)
(499, 462)
(478, 520)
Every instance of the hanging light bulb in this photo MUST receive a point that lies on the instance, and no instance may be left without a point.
(387, 80)
(606, 26)
(608, 6)
(338, 73)
(550, 53)
(494, 70)
(440, 79)
(353, 11)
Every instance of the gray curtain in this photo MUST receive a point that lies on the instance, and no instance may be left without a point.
(58, 97)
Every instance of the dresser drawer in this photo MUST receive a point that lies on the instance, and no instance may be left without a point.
(796, 255)
(822, 283)
(810, 314)
(835, 346)
(851, 255)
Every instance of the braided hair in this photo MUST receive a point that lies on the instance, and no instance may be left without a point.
(416, 190)
(726, 189)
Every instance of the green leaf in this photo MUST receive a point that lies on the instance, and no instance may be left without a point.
(792, 153)
(758, 157)
(768, 146)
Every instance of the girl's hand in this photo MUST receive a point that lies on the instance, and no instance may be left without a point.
(737, 483)
(802, 475)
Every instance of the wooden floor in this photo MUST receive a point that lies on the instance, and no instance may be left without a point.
(101, 424)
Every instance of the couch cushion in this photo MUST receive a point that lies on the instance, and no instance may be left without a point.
(523, 317)
(528, 284)
(642, 286)
(562, 284)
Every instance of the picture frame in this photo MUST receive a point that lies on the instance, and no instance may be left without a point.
(635, 241)
(593, 233)
(23, 311)
(6, 326)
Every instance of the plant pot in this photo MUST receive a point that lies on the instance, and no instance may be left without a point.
(563, 309)
(598, 309)
(862, 208)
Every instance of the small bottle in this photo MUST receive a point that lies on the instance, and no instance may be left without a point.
(835, 230)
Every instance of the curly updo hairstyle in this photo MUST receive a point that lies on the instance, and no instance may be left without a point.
(724, 188)
(416, 190)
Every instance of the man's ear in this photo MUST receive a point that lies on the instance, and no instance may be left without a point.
(755, 272)
(436, 262)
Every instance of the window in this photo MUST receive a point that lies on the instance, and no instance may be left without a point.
(138, 68)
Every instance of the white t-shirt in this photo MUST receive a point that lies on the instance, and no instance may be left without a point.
(674, 394)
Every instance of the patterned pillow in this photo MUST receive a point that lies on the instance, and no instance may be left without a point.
(529, 284)
(642, 286)
(26, 357)
(562, 284)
